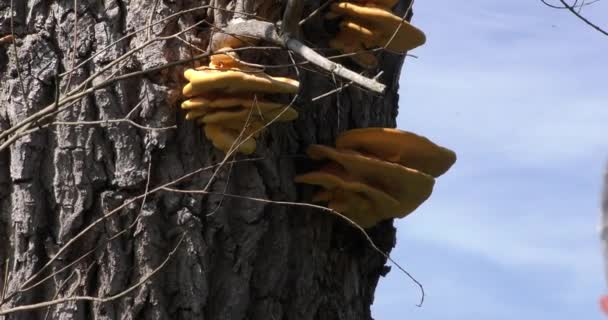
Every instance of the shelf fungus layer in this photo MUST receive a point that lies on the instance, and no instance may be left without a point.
(376, 174)
(369, 25)
(405, 148)
(228, 100)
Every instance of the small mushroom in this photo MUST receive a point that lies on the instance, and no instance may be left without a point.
(397, 146)
(376, 26)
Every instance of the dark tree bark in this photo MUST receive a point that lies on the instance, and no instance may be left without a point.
(237, 259)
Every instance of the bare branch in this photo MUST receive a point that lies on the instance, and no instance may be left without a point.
(340, 89)
(572, 8)
(575, 5)
(578, 15)
(267, 31)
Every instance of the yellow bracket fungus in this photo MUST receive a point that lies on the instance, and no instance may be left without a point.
(360, 202)
(397, 146)
(203, 81)
(227, 99)
(369, 167)
(372, 24)
(348, 41)
(387, 4)
(223, 139)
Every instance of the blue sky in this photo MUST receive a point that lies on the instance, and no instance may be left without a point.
(520, 92)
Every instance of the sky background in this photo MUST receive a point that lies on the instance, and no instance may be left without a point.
(520, 92)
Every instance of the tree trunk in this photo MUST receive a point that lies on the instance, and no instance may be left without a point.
(234, 258)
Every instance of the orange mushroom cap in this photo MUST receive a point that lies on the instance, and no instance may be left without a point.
(378, 3)
(231, 81)
(410, 187)
(362, 203)
(229, 102)
(397, 146)
(382, 24)
(225, 139)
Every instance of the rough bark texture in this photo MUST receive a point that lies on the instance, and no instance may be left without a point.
(239, 259)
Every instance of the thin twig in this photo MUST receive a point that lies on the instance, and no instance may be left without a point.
(57, 292)
(403, 19)
(130, 34)
(584, 4)
(76, 96)
(96, 299)
(126, 203)
(316, 11)
(110, 121)
(344, 86)
(152, 12)
(314, 206)
(581, 17)
(336, 68)
(268, 32)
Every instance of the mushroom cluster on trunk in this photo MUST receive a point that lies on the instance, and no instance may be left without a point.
(374, 174)
(227, 98)
(370, 25)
